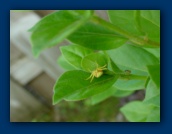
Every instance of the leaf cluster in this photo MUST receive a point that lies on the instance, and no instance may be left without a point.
(128, 44)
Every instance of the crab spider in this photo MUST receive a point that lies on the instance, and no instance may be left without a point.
(97, 72)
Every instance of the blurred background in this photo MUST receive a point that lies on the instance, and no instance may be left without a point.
(32, 80)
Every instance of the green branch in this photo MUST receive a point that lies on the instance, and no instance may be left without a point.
(132, 77)
(135, 39)
(125, 76)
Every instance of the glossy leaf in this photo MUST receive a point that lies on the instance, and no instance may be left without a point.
(133, 57)
(111, 65)
(152, 94)
(112, 91)
(130, 85)
(151, 18)
(74, 54)
(152, 15)
(89, 93)
(72, 85)
(96, 37)
(122, 93)
(136, 111)
(154, 71)
(55, 27)
(124, 19)
(132, 70)
(154, 51)
(64, 64)
(138, 22)
(114, 67)
(102, 96)
(155, 100)
(154, 116)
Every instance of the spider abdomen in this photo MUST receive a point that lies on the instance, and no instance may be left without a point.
(97, 73)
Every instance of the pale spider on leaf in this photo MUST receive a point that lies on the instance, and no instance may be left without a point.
(97, 72)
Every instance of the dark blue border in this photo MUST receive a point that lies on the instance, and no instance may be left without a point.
(86, 4)
(166, 67)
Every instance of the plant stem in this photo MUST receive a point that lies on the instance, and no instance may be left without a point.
(124, 76)
(138, 77)
(132, 77)
(135, 39)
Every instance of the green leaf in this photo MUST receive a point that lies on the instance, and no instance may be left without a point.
(131, 84)
(152, 15)
(55, 27)
(138, 22)
(92, 61)
(124, 19)
(122, 93)
(74, 54)
(61, 61)
(154, 116)
(133, 57)
(112, 91)
(152, 94)
(150, 23)
(111, 65)
(95, 36)
(133, 71)
(154, 51)
(155, 100)
(72, 85)
(102, 96)
(154, 71)
(136, 111)
(114, 67)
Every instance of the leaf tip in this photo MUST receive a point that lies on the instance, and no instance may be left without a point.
(35, 53)
(55, 101)
(31, 29)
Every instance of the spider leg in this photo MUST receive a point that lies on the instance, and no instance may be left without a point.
(89, 70)
(89, 77)
(103, 67)
(92, 78)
